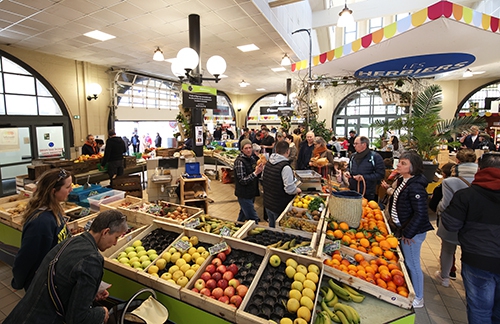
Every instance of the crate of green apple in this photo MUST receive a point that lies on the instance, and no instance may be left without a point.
(281, 238)
(285, 291)
(179, 262)
(222, 285)
(129, 255)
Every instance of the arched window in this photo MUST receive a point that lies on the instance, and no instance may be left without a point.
(359, 110)
(483, 100)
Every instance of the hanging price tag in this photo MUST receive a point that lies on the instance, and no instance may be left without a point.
(304, 250)
(219, 247)
(193, 223)
(181, 245)
(331, 247)
(225, 231)
(87, 226)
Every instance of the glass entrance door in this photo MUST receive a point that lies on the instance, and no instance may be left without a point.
(15, 155)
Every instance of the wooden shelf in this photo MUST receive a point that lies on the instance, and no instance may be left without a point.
(187, 184)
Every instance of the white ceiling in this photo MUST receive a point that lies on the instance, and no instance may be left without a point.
(57, 26)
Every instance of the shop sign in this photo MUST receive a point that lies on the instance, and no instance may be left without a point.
(416, 66)
(276, 110)
(201, 97)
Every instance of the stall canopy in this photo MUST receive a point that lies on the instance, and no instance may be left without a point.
(440, 40)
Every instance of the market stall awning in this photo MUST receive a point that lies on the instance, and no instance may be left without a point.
(439, 39)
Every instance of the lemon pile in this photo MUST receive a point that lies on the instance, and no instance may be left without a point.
(302, 202)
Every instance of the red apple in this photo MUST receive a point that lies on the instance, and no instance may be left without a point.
(206, 276)
(242, 290)
(228, 250)
(228, 275)
(206, 292)
(218, 292)
(236, 300)
(224, 299)
(222, 269)
(217, 276)
(233, 305)
(199, 284)
(234, 282)
(222, 256)
(212, 297)
(195, 290)
(229, 291)
(216, 262)
(233, 268)
(222, 283)
(211, 284)
(210, 268)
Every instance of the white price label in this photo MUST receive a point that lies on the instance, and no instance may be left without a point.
(193, 223)
(87, 226)
(304, 250)
(225, 231)
(331, 247)
(181, 245)
(217, 248)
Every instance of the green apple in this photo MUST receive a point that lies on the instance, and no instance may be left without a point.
(153, 257)
(129, 249)
(139, 248)
(141, 253)
(122, 255)
(124, 260)
(137, 265)
(144, 258)
(134, 259)
(132, 254)
(166, 276)
(137, 243)
(274, 260)
(151, 251)
(145, 264)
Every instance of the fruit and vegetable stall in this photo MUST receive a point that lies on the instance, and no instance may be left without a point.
(310, 269)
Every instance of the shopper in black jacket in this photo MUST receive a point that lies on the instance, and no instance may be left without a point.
(305, 152)
(473, 213)
(113, 155)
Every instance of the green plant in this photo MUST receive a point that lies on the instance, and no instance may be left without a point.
(319, 128)
(426, 129)
(184, 122)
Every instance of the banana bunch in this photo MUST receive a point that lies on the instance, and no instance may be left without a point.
(289, 245)
(342, 313)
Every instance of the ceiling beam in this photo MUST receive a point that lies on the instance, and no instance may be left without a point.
(278, 3)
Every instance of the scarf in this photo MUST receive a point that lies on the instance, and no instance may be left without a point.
(358, 157)
(93, 145)
(318, 151)
(485, 178)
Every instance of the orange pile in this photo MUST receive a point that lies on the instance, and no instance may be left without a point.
(371, 236)
(385, 274)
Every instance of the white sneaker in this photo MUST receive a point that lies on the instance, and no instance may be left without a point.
(445, 282)
(418, 303)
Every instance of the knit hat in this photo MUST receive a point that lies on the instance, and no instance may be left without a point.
(245, 142)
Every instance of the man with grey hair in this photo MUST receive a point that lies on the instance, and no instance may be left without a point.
(472, 140)
(68, 279)
(365, 164)
(305, 152)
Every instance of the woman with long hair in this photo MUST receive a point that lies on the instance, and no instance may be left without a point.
(322, 158)
(44, 225)
(408, 217)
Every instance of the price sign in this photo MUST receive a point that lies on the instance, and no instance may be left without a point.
(87, 226)
(84, 212)
(93, 193)
(154, 209)
(331, 247)
(350, 259)
(225, 231)
(219, 247)
(181, 245)
(304, 250)
(193, 223)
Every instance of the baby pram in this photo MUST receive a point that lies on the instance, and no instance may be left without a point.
(149, 311)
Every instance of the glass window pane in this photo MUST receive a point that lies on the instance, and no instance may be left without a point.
(21, 105)
(9, 66)
(2, 105)
(379, 110)
(19, 84)
(365, 121)
(1, 85)
(364, 110)
(41, 90)
(391, 109)
(48, 106)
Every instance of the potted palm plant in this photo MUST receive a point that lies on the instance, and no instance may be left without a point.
(426, 130)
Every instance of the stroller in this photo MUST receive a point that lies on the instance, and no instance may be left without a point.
(149, 311)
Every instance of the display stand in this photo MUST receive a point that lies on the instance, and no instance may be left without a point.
(187, 184)
(96, 176)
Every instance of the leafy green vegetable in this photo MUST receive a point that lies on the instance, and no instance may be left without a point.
(315, 204)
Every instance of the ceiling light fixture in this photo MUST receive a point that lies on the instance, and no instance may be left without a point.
(286, 60)
(468, 73)
(99, 35)
(247, 48)
(244, 84)
(158, 55)
(346, 18)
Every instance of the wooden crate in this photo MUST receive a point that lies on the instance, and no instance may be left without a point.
(306, 236)
(130, 161)
(20, 196)
(166, 152)
(357, 283)
(35, 171)
(204, 219)
(141, 214)
(315, 226)
(63, 164)
(244, 317)
(127, 201)
(77, 226)
(127, 183)
(13, 211)
(92, 164)
(80, 167)
(20, 180)
(211, 305)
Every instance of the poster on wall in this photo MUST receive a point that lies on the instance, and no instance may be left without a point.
(50, 141)
(199, 135)
(9, 139)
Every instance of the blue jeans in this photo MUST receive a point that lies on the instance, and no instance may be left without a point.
(482, 291)
(247, 210)
(272, 217)
(411, 253)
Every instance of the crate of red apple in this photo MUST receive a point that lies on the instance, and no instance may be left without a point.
(224, 281)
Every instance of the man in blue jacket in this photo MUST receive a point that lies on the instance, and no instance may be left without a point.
(473, 213)
(366, 164)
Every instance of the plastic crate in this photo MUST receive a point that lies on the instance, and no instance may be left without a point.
(105, 198)
(193, 168)
(80, 193)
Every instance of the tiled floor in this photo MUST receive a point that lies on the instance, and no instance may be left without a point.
(442, 305)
